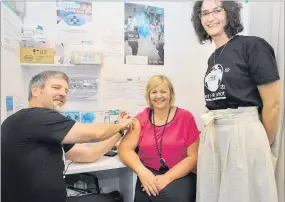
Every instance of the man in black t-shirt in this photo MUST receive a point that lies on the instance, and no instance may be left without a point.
(31, 151)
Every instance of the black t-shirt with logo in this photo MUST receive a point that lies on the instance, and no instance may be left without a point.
(32, 158)
(241, 65)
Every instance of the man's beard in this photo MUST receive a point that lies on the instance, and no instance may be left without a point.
(58, 108)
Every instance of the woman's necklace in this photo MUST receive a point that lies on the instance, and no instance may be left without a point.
(221, 51)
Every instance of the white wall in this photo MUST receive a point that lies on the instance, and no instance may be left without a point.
(185, 58)
(261, 25)
(269, 25)
(11, 74)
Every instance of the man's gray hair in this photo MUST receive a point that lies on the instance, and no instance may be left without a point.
(41, 79)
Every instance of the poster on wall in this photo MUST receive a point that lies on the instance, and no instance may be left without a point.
(83, 88)
(74, 18)
(144, 34)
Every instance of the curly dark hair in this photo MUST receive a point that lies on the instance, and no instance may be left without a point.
(233, 26)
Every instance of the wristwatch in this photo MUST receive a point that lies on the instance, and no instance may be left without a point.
(122, 132)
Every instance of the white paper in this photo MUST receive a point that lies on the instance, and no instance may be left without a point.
(19, 103)
(136, 60)
(111, 50)
(120, 88)
(112, 43)
(100, 116)
(10, 30)
(124, 94)
(113, 37)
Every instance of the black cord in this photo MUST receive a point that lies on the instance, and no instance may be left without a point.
(162, 134)
(67, 168)
(80, 190)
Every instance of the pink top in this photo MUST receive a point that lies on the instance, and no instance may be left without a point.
(180, 133)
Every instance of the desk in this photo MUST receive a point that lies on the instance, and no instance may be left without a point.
(104, 163)
(111, 172)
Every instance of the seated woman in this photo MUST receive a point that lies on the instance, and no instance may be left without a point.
(166, 138)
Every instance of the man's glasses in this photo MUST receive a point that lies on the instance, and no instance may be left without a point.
(215, 12)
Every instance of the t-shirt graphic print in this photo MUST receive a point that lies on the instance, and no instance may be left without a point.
(214, 83)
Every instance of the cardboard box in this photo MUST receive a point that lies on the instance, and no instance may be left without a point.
(37, 55)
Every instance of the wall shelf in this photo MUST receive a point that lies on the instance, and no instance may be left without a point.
(37, 65)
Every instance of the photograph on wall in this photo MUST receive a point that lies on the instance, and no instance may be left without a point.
(74, 17)
(83, 88)
(144, 34)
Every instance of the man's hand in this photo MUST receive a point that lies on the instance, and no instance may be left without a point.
(123, 114)
(125, 120)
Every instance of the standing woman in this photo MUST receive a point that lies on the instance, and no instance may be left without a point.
(242, 94)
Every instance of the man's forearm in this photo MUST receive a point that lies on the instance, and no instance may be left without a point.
(83, 153)
(104, 131)
(100, 148)
(95, 132)
(270, 120)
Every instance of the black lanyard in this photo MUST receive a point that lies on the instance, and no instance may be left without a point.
(163, 167)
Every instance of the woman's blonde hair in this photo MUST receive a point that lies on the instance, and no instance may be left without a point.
(155, 81)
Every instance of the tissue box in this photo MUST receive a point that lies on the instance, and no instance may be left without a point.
(37, 55)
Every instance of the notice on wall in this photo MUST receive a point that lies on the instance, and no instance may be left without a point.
(112, 43)
(10, 29)
(18, 103)
(124, 94)
(144, 34)
(9, 105)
